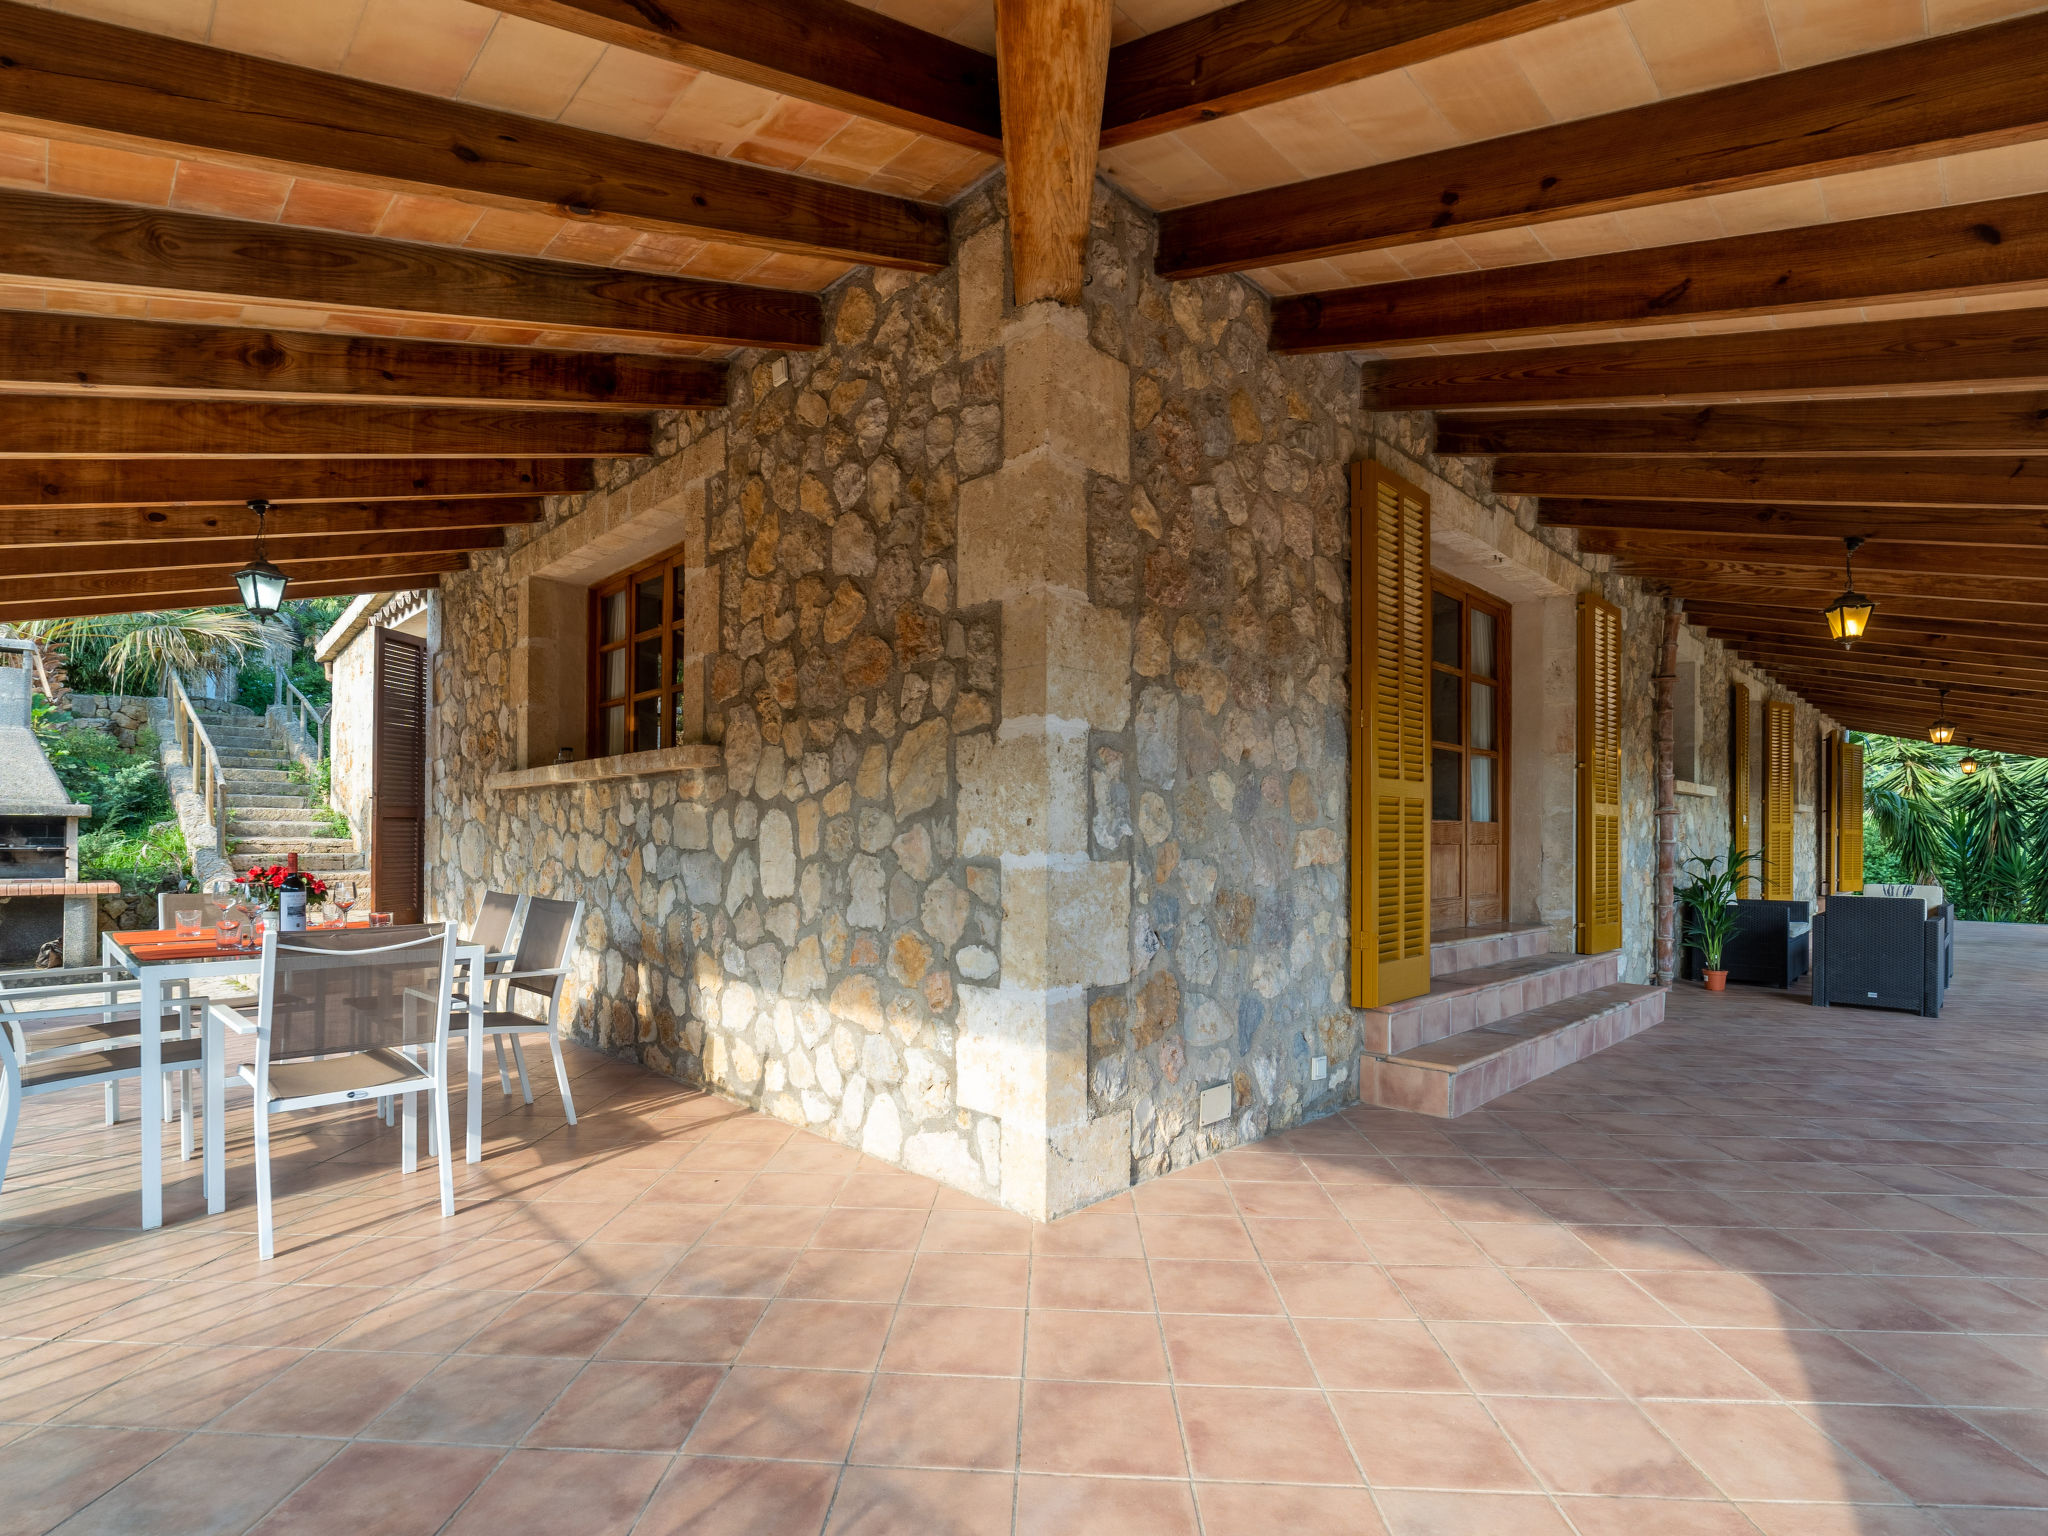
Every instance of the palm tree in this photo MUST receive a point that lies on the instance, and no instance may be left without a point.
(1982, 836)
(137, 650)
(1902, 785)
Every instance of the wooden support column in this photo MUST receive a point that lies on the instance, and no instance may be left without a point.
(1052, 57)
(1667, 796)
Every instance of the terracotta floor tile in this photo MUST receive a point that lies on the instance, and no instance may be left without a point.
(706, 1330)
(980, 1341)
(1094, 1346)
(1470, 1294)
(1377, 1356)
(41, 1383)
(1183, 1197)
(382, 1490)
(475, 1400)
(765, 1226)
(729, 1272)
(542, 1493)
(1214, 1285)
(1419, 1242)
(1766, 1451)
(823, 1335)
(1095, 1506)
(547, 1323)
(1523, 1359)
(947, 1421)
(48, 1473)
(871, 1227)
(770, 1188)
(431, 1322)
(823, 1274)
(1808, 1366)
(1255, 1509)
(1584, 1446)
(1089, 1236)
(328, 1393)
(1235, 1351)
(1956, 1370)
(979, 1279)
(1591, 1296)
(976, 1232)
(792, 1415)
(631, 1269)
(1420, 1440)
(881, 1501)
(1937, 1458)
(1465, 1514)
(1240, 1434)
(1308, 1241)
(1195, 1237)
(1292, 1201)
(906, 1191)
(627, 1406)
(712, 1496)
(1100, 1428)
(1615, 1516)
(182, 1388)
(219, 1485)
(1337, 1290)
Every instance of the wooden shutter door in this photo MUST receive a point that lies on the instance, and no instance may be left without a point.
(1739, 780)
(1849, 816)
(398, 778)
(1389, 738)
(1777, 801)
(1599, 852)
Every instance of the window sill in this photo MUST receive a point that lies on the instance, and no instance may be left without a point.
(1697, 791)
(632, 765)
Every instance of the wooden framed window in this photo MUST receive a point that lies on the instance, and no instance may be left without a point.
(637, 659)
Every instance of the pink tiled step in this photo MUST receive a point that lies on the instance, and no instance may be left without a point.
(1462, 949)
(1463, 1071)
(1484, 994)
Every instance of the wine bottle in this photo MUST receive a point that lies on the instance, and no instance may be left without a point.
(291, 898)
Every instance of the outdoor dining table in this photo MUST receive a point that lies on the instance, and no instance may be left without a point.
(160, 958)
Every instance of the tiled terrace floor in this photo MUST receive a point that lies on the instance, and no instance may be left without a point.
(1762, 1269)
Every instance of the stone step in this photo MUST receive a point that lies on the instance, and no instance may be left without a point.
(275, 848)
(286, 800)
(241, 813)
(1454, 1075)
(254, 759)
(284, 832)
(1483, 995)
(325, 865)
(1461, 949)
(256, 776)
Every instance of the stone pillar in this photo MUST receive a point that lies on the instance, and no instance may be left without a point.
(1022, 1051)
(1667, 798)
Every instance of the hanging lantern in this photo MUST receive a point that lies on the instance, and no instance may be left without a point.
(1848, 616)
(1943, 730)
(262, 584)
(1969, 763)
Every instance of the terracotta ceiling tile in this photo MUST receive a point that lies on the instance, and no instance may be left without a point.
(195, 311)
(1814, 31)
(1130, 166)
(93, 170)
(1691, 47)
(293, 317)
(1954, 15)
(1585, 66)
(314, 33)
(169, 18)
(1433, 258)
(927, 163)
(97, 301)
(1503, 247)
(1887, 189)
(515, 233)
(725, 263)
(1481, 92)
(1310, 137)
(231, 191)
(2012, 171)
(2025, 298)
(1367, 267)
(711, 114)
(759, 152)
(329, 205)
(1157, 15)
(435, 219)
(24, 296)
(436, 330)
(860, 147)
(360, 324)
(421, 45)
(805, 273)
(24, 161)
(1594, 235)
(1392, 115)
(801, 126)
(526, 336)
(660, 253)
(1171, 164)
(1240, 155)
(597, 245)
(627, 94)
(1758, 209)
(1668, 223)
(1297, 277)
(526, 67)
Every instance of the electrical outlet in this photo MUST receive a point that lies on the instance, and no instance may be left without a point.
(1319, 1068)
(1215, 1103)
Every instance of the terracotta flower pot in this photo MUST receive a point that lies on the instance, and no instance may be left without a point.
(1717, 981)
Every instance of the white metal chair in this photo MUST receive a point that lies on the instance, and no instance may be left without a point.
(69, 1029)
(539, 969)
(344, 1016)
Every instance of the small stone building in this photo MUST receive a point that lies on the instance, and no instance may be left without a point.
(953, 738)
(41, 897)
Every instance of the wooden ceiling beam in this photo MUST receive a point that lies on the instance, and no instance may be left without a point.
(1684, 574)
(1914, 625)
(830, 52)
(47, 427)
(65, 353)
(288, 553)
(16, 591)
(1960, 425)
(1870, 663)
(1988, 247)
(1972, 527)
(215, 595)
(22, 529)
(1918, 609)
(1921, 482)
(1892, 554)
(1969, 90)
(1053, 55)
(1264, 51)
(162, 482)
(1937, 354)
(1962, 654)
(71, 241)
(90, 82)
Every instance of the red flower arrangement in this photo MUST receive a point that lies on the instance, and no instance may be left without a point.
(273, 876)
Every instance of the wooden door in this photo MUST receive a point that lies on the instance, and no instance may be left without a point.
(398, 778)
(1778, 770)
(1599, 840)
(1468, 844)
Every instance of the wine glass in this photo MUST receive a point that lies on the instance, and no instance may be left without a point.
(341, 897)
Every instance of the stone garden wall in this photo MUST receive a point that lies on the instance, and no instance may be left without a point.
(1028, 818)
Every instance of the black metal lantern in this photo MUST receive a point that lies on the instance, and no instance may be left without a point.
(1969, 763)
(1848, 616)
(262, 584)
(1943, 730)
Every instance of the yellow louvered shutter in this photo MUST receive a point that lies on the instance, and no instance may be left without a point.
(1739, 780)
(1777, 801)
(1389, 738)
(1848, 815)
(1599, 775)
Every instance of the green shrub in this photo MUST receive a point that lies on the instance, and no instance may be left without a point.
(141, 861)
(124, 787)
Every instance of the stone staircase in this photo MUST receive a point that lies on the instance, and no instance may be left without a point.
(1501, 1011)
(269, 814)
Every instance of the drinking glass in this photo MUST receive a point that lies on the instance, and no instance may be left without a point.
(341, 898)
(187, 923)
(380, 919)
(227, 929)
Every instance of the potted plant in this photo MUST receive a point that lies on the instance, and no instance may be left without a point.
(1711, 914)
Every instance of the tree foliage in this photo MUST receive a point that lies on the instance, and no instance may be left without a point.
(1983, 837)
(131, 652)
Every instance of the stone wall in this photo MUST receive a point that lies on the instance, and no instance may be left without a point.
(1028, 815)
(120, 715)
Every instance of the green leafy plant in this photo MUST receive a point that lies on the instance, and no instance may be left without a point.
(132, 652)
(140, 861)
(124, 787)
(1709, 896)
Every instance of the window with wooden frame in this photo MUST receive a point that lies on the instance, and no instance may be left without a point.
(637, 659)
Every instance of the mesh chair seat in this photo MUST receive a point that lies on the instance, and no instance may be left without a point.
(498, 1021)
(357, 1072)
(54, 1070)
